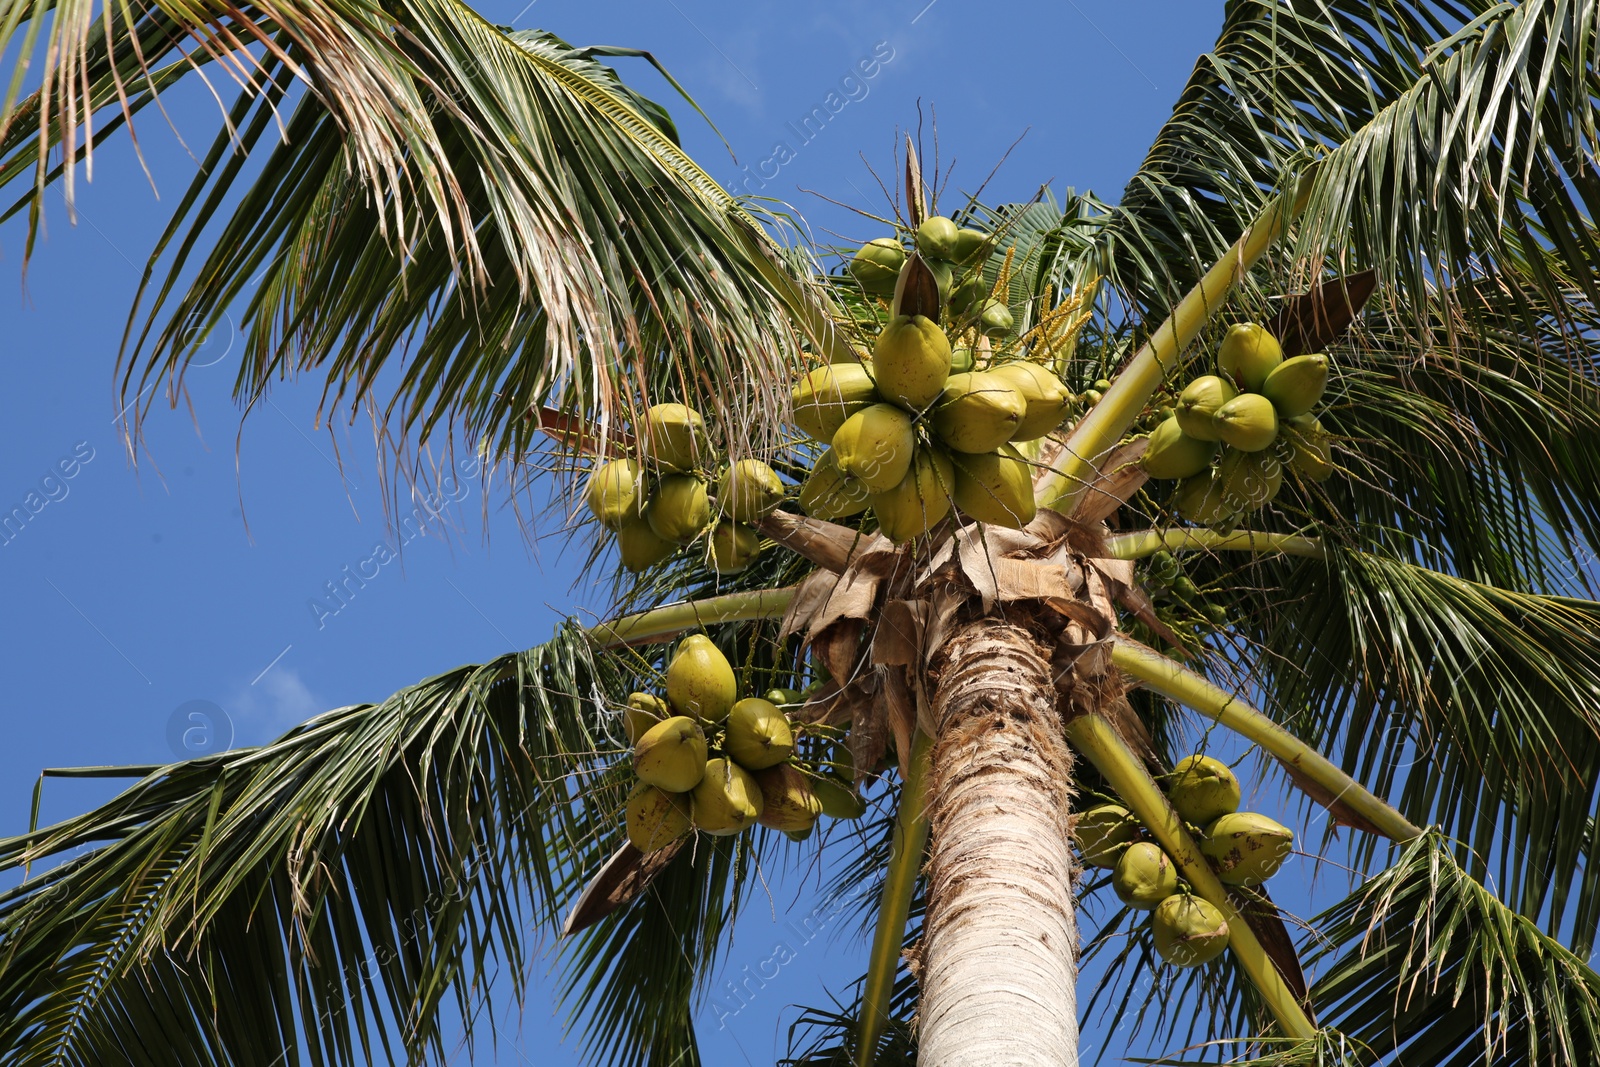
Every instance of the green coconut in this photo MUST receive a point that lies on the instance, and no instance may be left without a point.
(875, 446)
(1310, 455)
(615, 493)
(828, 395)
(970, 246)
(938, 238)
(1296, 385)
(920, 499)
(1246, 848)
(1201, 789)
(1249, 480)
(674, 437)
(727, 799)
(1103, 832)
(758, 734)
(749, 490)
(1174, 454)
(655, 817)
(671, 755)
(679, 509)
(1201, 500)
(700, 680)
(996, 487)
(978, 412)
(912, 360)
(838, 798)
(1144, 876)
(734, 546)
(1248, 422)
(1198, 404)
(828, 494)
(1189, 930)
(877, 265)
(1247, 355)
(995, 318)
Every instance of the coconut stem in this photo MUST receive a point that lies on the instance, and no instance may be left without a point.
(1143, 543)
(1099, 431)
(1176, 682)
(1101, 745)
(900, 880)
(661, 623)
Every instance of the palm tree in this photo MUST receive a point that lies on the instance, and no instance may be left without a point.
(1417, 630)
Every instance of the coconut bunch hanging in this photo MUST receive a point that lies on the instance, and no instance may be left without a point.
(956, 256)
(1244, 849)
(1232, 434)
(921, 427)
(676, 493)
(708, 760)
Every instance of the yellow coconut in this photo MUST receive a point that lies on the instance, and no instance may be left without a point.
(727, 800)
(827, 396)
(1198, 404)
(671, 755)
(875, 446)
(615, 493)
(679, 509)
(655, 817)
(674, 437)
(1144, 876)
(748, 490)
(700, 680)
(734, 546)
(978, 412)
(1201, 500)
(1310, 455)
(788, 802)
(758, 735)
(912, 359)
(1174, 454)
(1044, 394)
(1249, 480)
(828, 494)
(1296, 385)
(1189, 930)
(1248, 422)
(920, 500)
(996, 487)
(644, 711)
(1201, 789)
(1247, 355)
(1246, 848)
(639, 545)
(1103, 832)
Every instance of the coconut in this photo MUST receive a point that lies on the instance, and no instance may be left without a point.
(639, 546)
(644, 711)
(1201, 789)
(938, 238)
(828, 395)
(758, 734)
(748, 490)
(727, 799)
(838, 798)
(1248, 422)
(1103, 832)
(655, 818)
(969, 245)
(1249, 480)
(700, 681)
(1246, 848)
(1201, 500)
(919, 501)
(1198, 404)
(996, 487)
(1296, 385)
(675, 437)
(615, 492)
(734, 546)
(912, 359)
(1144, 876)
(995, 318)
(1174, 454)
(828, 494)
(965, 298)
(1189, 930)
(962, 359)
(784, 697)
(1247, 355)
(1046, 398)
(875, 446)
(1310, 456)
(788, 802)
(877, 265)
(944, 277)
(671, 754)
(679, 509)
(978, 412)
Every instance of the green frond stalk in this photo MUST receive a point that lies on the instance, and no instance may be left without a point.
(1107, 421)
(660, 624)
(1177, 682)
(899, 885)
(1101, 745)
(1142, 543)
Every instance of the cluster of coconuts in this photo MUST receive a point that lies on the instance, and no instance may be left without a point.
(1244, 848)
(956, 256)
(1231, 433)
(666, 498)
(707, 760)
(910, 437)
(1164, 578)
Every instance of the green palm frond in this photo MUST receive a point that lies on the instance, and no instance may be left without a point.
(484, 220)
(1425, 963)
(320, 899)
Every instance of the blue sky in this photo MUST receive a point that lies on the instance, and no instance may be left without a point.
(135, 592)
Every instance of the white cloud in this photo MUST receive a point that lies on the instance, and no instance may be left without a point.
(277, 701)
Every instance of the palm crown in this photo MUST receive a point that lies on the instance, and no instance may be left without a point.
(1415, 629)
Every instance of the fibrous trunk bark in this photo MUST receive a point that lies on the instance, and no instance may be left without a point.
(999, 958)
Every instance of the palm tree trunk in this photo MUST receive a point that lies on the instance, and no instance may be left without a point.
(1000, 952)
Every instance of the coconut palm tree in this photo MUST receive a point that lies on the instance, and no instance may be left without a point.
(1407, 631)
